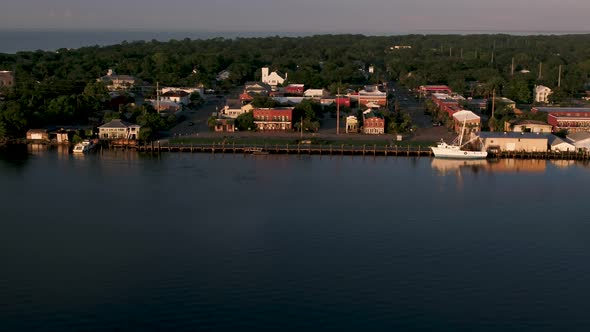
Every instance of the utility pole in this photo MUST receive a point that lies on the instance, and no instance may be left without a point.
(158, 96)
(559, 78)
(492, 57)
(338, 111)
(450, 51)
(493, 105)
(512, 68)
(301, 129)
(540, 70)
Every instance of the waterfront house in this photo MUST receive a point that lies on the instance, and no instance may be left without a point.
(38, 135)
(118, 129)
(541, 94)
(581, 140)
(510, 141)
(272, 78)
(373, 123)
(529, 126)
(559, 144)
(273, 119)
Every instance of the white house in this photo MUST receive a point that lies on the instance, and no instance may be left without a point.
(273, 79)
(234, 108)
(560, 144)
(176, 96)
(117, 129)
(190, 90)
(541, 94)
(223, 75)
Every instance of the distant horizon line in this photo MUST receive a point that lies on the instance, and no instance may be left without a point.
(286, 32)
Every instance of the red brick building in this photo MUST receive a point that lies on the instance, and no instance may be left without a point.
(273, 119)
(373, 123)
(294, 89)
(572, 119)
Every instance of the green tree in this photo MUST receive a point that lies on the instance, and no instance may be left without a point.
(245, 121)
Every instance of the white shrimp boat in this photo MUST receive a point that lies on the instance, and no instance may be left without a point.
(457, 149)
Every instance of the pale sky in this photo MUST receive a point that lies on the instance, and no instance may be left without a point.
(346, 16)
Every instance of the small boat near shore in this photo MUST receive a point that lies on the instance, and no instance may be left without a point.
(83, 147)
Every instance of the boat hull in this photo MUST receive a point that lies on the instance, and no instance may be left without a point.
(458, 154)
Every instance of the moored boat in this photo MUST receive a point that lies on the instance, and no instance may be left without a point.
(83, 147)
(457, 149)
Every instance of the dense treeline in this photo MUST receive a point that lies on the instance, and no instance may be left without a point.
(59, 86)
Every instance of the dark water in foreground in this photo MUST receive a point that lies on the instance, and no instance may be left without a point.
(122, 241)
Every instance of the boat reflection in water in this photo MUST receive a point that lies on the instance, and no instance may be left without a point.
(446, 166)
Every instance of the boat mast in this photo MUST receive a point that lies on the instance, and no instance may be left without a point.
(462, 131)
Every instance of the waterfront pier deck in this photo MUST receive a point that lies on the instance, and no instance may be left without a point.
(342, 149)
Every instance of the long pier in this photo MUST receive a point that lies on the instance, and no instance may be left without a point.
(341, 149)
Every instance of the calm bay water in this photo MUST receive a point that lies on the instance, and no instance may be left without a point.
(124, 241)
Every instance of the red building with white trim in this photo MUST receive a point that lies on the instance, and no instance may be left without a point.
(273, 119)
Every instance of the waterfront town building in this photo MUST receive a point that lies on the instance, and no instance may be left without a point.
(234, 108)
(525, 125)
(572, 119)
(273, 119)
(471, 121)
(509, 141)
(373, 123)
(581, 140)
(118, 129)
(560, 145)
(541, 94)
(224, 125)
(352, 124)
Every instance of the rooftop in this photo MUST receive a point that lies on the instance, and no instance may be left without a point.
(118, 123)
(562, 109)
(499, 134)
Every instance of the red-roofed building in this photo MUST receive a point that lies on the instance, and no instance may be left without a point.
(295, 89)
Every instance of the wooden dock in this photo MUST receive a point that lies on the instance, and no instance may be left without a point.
(342, 149)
